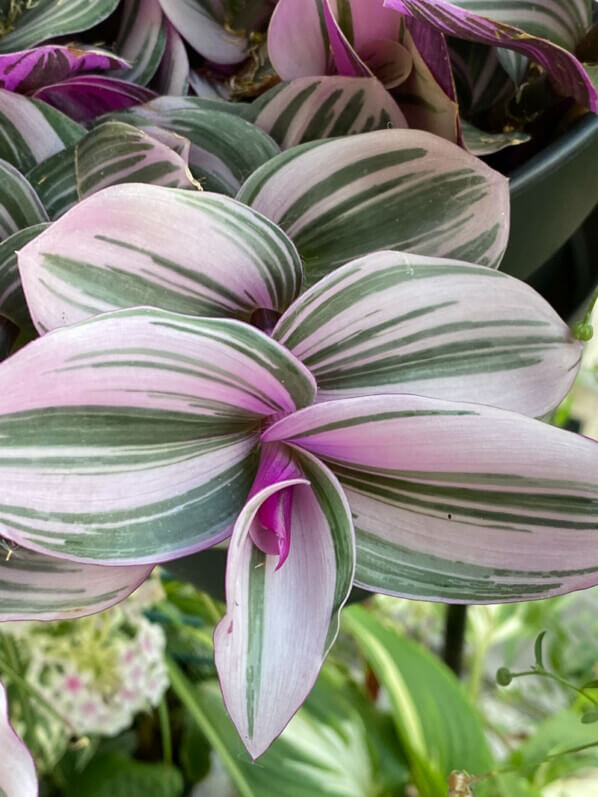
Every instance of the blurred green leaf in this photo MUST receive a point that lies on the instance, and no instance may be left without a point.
(437, 725)
(323, 752)
(538, 649)
(115, 775)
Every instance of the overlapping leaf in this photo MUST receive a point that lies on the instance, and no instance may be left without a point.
(397, 323)
(141, 39)
(173, 73)
(137, 244)
(115, 152)
(324, 107)
(19, 204)
(27, 70)
(129, 438)
(458, 502)
(48, 19)
(12, 299)
(390, 189)
(201, 23)
(31, 131)
(55, 181)
(280, 624)
(38, 587)
(17, 770)
(84, 97)
(456, 19)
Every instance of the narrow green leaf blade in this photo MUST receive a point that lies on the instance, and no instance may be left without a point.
(20, 206)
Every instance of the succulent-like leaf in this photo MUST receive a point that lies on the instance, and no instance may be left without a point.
(17, 770)
(201, 23)
(85, 97)
(20, 206)
(173, 73)
(31, 131)
(398, 323)
(192, 252)
(390, 189)
(458, 502)
(12, 299)
(115, 152)
(27, 70)
(141, 39)
(128, 438)
(38, 587)
(48, 19)
(458, 20)
(311, 108)
(280, 623)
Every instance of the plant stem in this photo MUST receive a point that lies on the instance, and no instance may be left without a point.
(165, 734)
(454, 637)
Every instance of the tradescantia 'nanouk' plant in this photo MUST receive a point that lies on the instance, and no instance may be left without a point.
(332, 432)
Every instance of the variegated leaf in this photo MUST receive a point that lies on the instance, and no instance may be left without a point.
(562, 22)
(390, 189)
(173, 73)
(31, 131)
(20, 206)
(281, 623)
(458, 502)
(9, 333)
(141, 39)
(294, 56)
(202, 24)
(129, 438)
(27, 70)
(55, 181)
(456, 19)
(12, 298)
(38, 587)
(399, 323)
(225, 148)
(115, 152)
(137, 244)
(480, 79)
(17, 770)
(479, 142)
(423, 99)
(324, 107)
(48, 19)
(85, 97)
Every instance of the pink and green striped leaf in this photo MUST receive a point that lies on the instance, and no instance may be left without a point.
(281, 623)
(460, 20)
(27, 70)
(129, 438)
(480, 79)
(458, 502)
(191, 252)
(115, 152)
(48, 19)
(31, 131)
(225, 148)
(85, 97)
(17, 770)
(311, 108)
(141, 39)
(12, 299)
(298, 43)
(389, 189)
(202, 24)
(172, 76)
(399, 323)
(38, 587)
(20, 206)
(55, 182)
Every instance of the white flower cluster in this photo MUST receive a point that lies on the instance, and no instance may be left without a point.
(99, 672)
